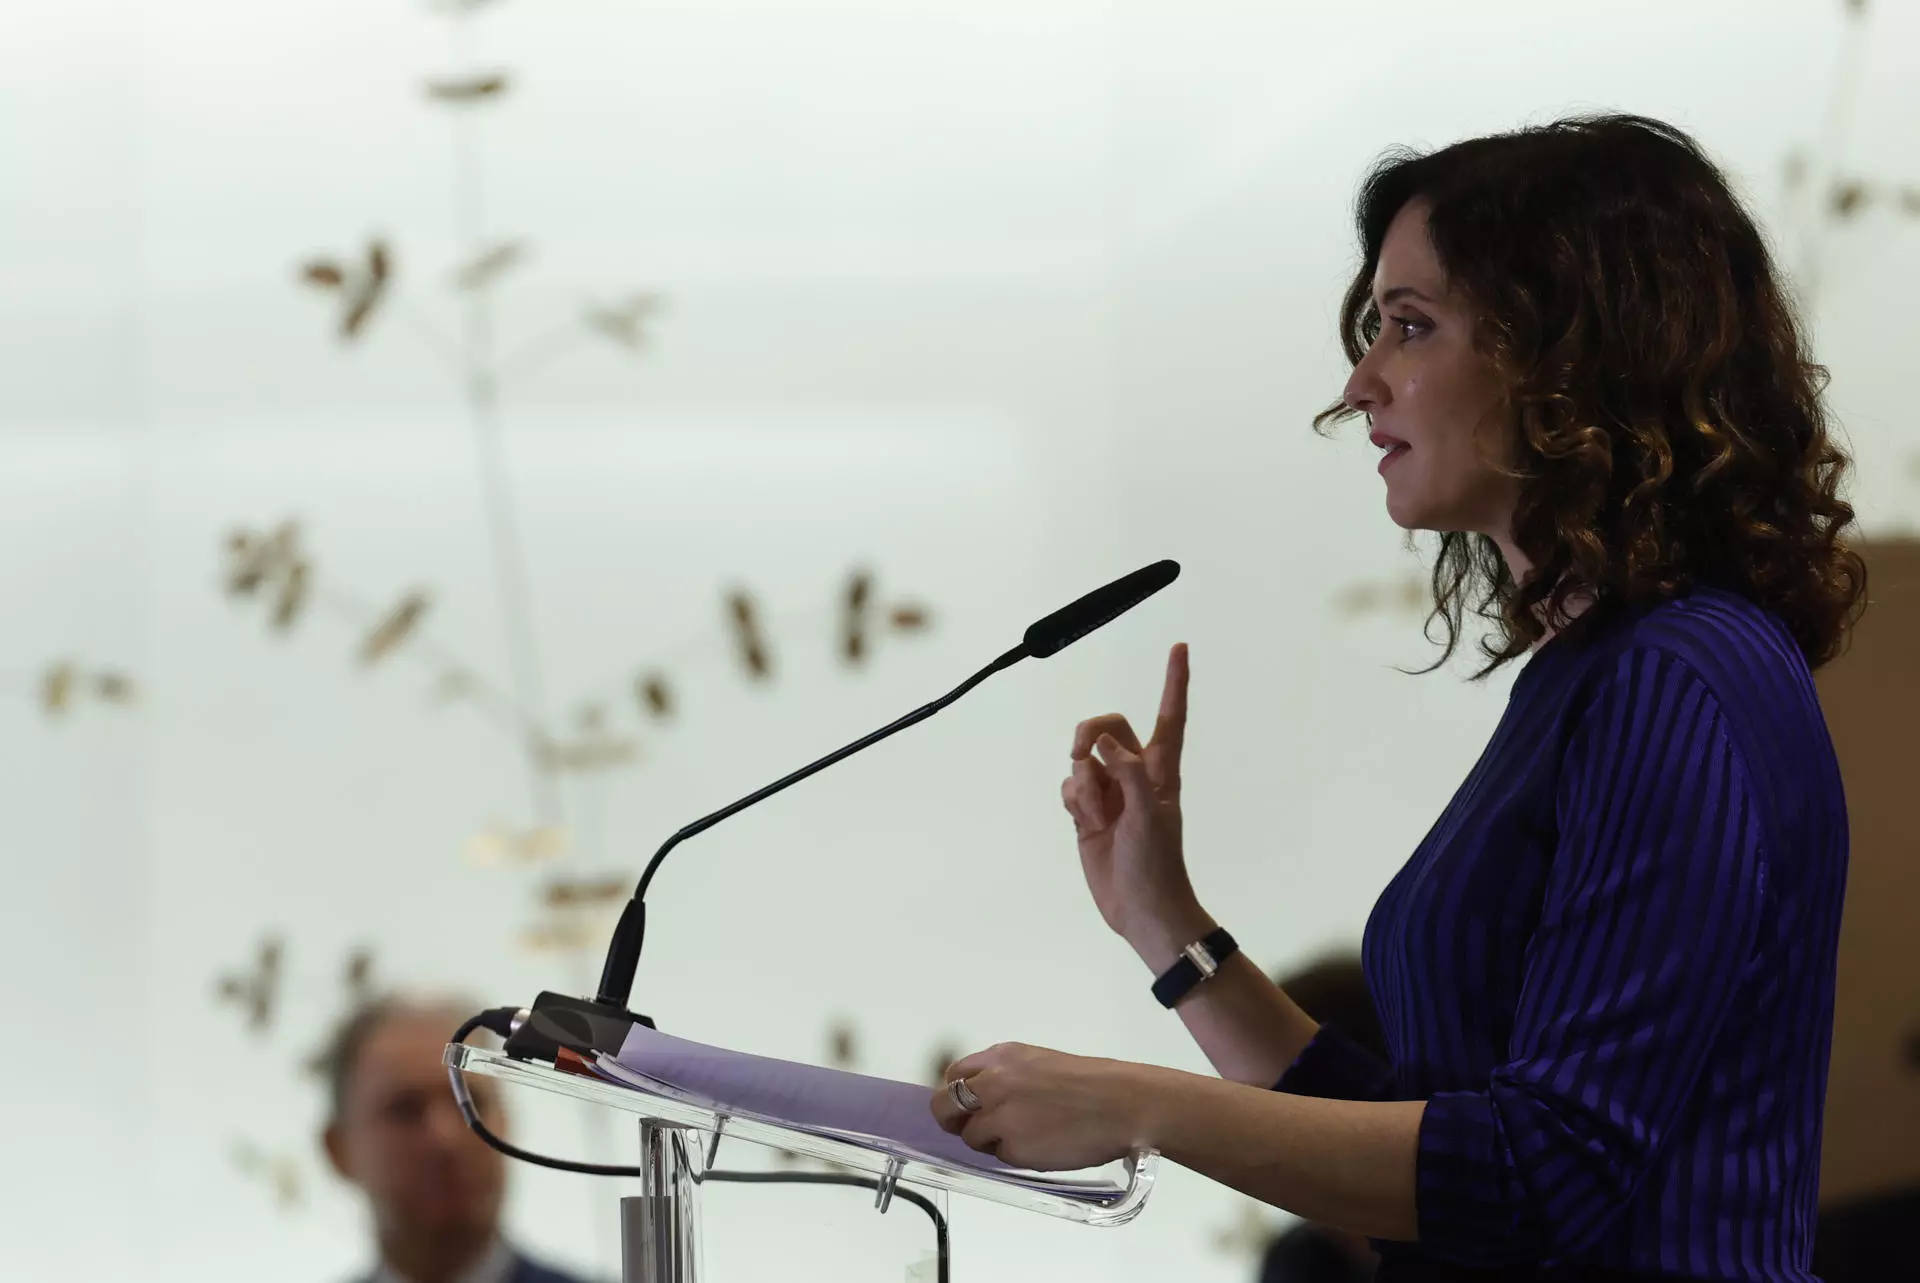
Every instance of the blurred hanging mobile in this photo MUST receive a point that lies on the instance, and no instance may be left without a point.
(1823, 188)
(273, 566)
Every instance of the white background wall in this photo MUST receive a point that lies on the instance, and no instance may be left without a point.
(1005, 298)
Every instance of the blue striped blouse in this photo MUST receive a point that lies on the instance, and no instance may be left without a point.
(1609, 967)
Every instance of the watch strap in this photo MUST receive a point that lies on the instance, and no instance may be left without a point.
(1196, 964)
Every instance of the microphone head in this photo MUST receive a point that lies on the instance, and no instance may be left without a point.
(1101, 606)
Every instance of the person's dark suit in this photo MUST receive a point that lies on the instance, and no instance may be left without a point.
(523, 1270)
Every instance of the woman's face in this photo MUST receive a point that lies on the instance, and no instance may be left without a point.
(1433, 402)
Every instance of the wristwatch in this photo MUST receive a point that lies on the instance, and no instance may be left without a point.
(1197, 962)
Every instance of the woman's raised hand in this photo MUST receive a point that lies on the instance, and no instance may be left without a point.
(1125, 802)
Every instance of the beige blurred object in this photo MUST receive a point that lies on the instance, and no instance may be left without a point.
(64, 683)
(1404, 594)
(56, 688)
(361, 286)
(293, 596)
(115, 687)
(562, 935)
(909, 618)
(499, 844)
(467, 89)
(655, 696)
(591, 751)
(1853, 196)
(1247, 1235)
(1848, 197)
(255, 559)
(451, 685)
(752, 646)
(853, 617)
(624, 322)
(858, 605)
(575, 893)
(256, 991)
(395, 627)
(942, 1055)
(1871, 696)
(357, 976)
(843, 1045)
(278, 1172)
(482, 269)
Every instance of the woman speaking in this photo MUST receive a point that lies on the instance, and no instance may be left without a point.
(1606, 975)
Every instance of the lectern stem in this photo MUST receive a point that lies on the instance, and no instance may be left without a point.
(660, 1227)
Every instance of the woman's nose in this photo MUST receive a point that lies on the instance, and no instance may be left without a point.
(1365, 393)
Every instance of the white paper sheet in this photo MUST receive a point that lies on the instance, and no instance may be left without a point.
(895, 1118)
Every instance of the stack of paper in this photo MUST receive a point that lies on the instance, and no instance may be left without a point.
(894, 1118)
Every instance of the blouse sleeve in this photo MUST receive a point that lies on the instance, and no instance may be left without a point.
(1335, 1067)
(1650, 914)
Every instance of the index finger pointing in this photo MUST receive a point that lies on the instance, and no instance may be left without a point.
(1170, 727)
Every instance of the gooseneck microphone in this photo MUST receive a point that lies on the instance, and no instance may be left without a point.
(1046, 637)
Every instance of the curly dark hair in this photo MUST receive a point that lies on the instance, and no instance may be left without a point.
(1668, 423)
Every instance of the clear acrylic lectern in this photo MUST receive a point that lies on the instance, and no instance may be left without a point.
(660, 1227)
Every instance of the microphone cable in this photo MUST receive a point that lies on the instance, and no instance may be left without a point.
(501, 1020)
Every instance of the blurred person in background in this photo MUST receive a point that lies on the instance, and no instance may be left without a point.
(1873, 1238)
(1333, 990)
(434, 1190)
(1606, 975)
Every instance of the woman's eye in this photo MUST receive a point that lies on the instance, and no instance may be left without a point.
(1409, 327)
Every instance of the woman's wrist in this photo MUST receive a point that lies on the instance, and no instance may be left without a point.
(1150, 1095)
